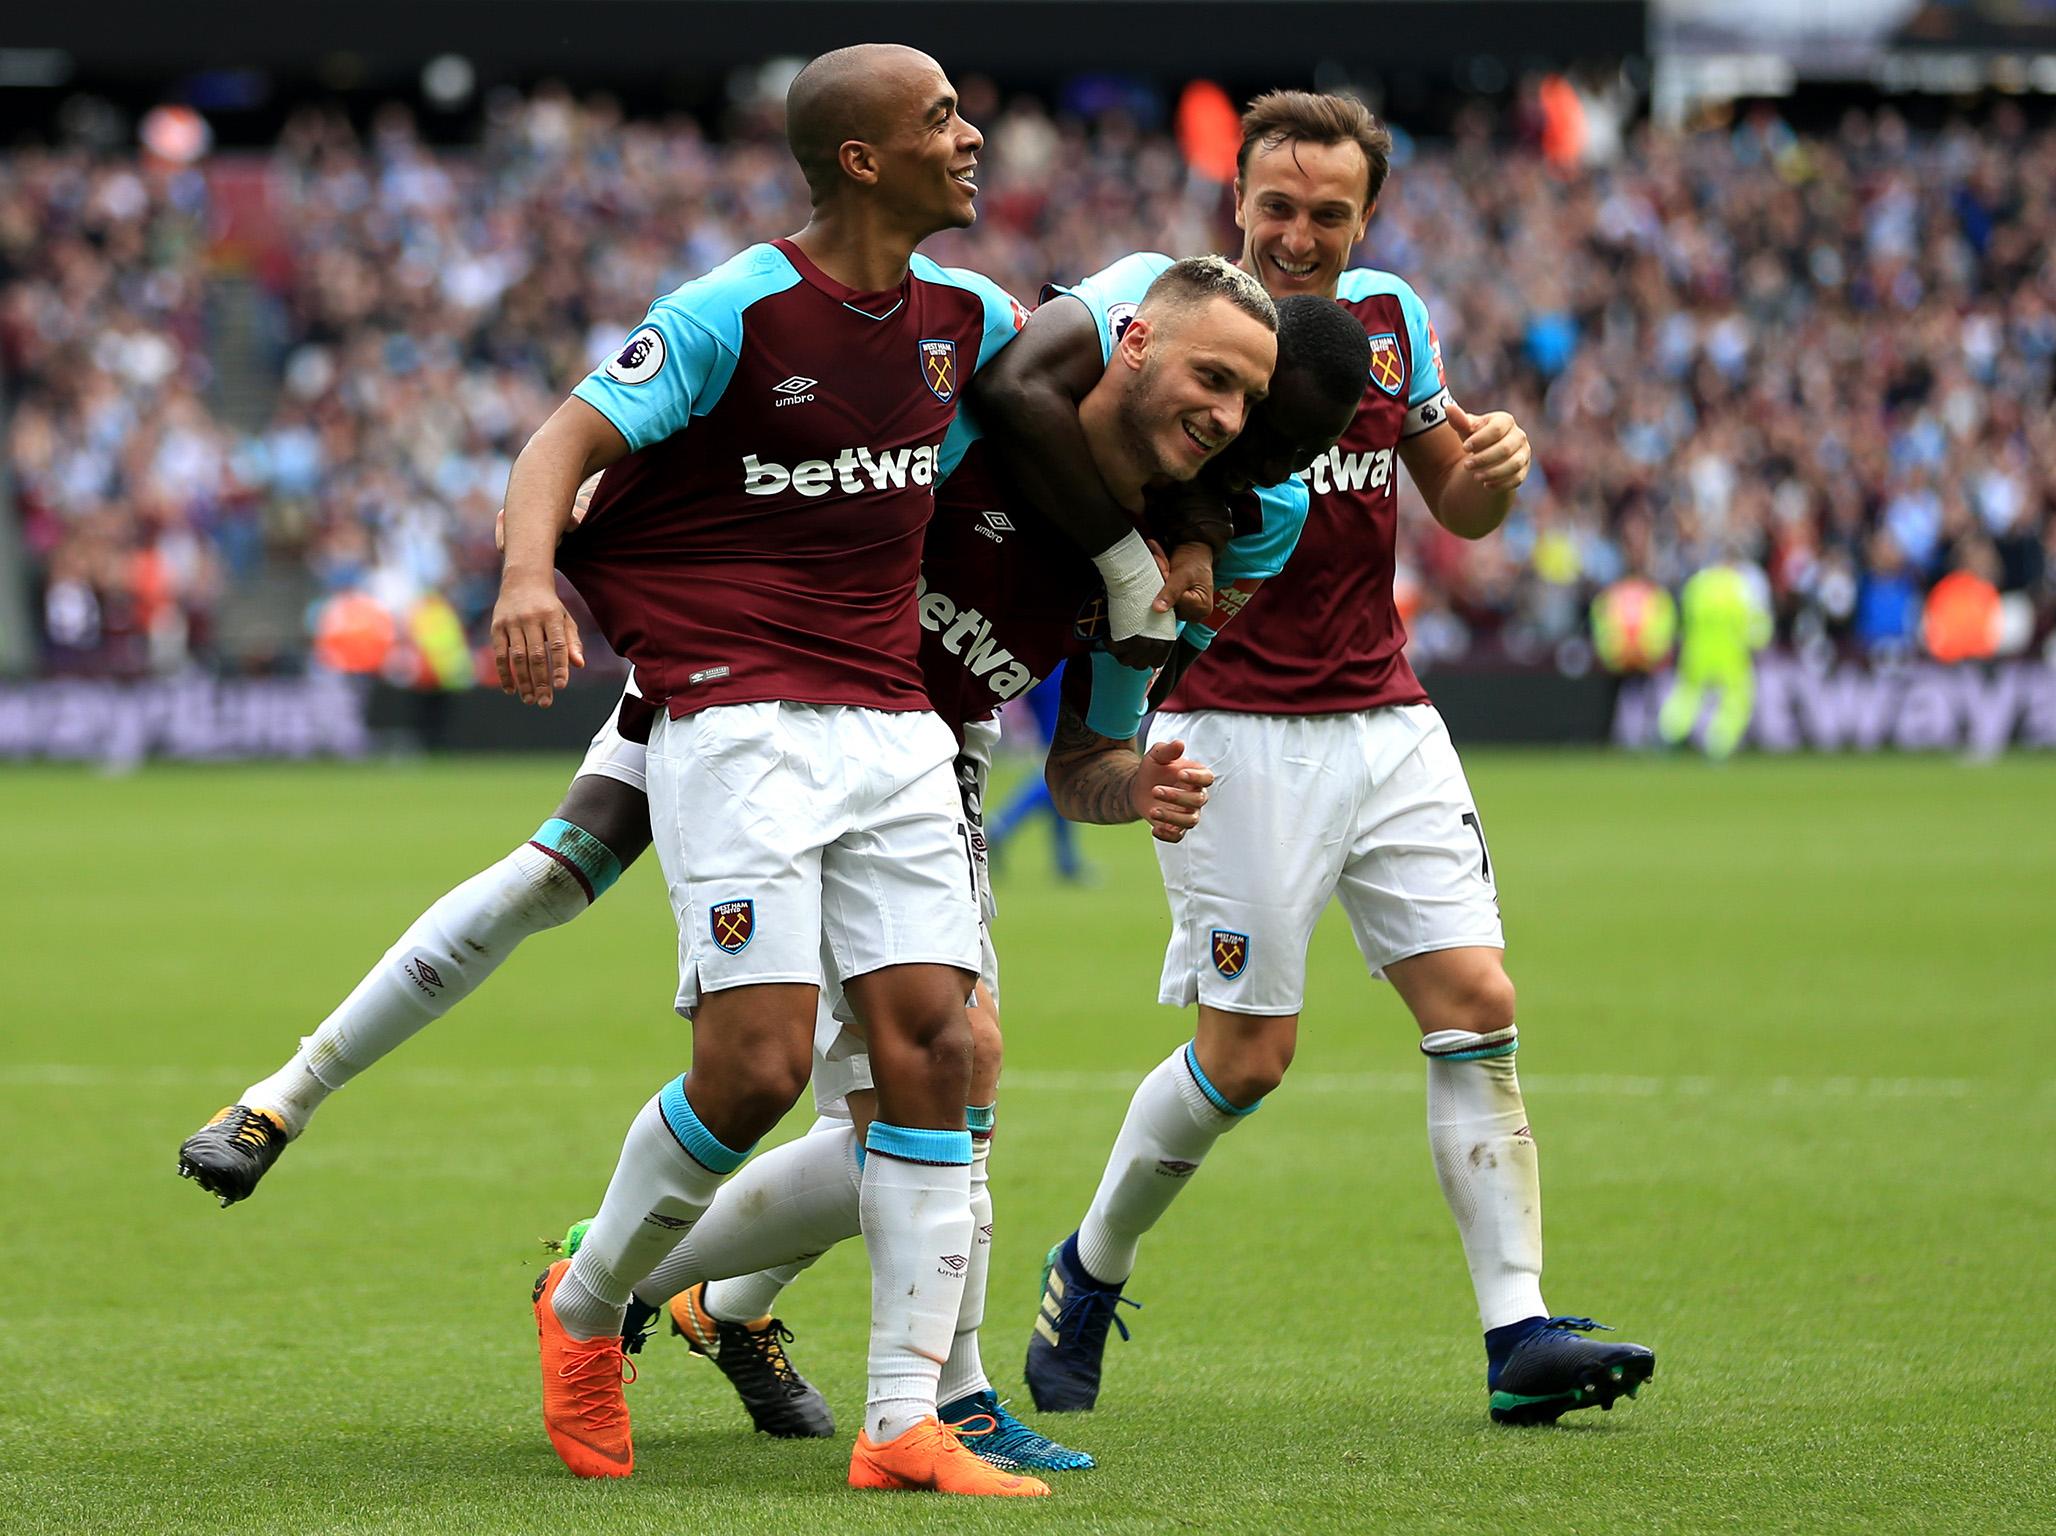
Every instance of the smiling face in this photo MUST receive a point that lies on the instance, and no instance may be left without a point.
(927, 160)
(1301, 208)
(1193, 372)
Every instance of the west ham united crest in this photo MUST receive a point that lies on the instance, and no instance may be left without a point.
(1092, 618)
(1388, 369)
(1231, 953)
(939, 369)
(733, 922)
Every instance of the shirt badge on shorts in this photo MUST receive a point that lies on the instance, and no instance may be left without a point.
(733, 923)
(1231, 953)
(1387, 371)
(939, 369)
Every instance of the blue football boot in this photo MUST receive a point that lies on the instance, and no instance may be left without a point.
(1549, 1370)
(992, 1434)
(1071, 1332)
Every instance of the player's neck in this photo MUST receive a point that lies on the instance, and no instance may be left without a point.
(856, 248)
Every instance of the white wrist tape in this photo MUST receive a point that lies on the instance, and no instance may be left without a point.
(1133, 581)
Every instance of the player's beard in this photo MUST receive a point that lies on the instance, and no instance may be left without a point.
(1144, 418)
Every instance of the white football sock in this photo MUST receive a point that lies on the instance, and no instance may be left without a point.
(1485, 1159)
(749, 1297)
(658, 1191)
(964, 1372)
(438, 962)
(785, 1207)
(1173, 1120)
(917, 1225)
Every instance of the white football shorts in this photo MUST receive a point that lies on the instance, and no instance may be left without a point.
(613, 755)
(810, 843)
(842, 1062)
(1370, 807)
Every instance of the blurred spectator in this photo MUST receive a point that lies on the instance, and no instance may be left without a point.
(243, 385)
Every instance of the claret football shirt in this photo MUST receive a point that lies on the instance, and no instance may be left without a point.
(762, 539)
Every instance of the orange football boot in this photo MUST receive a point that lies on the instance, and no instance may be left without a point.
(584, 1408)
(931, 1457)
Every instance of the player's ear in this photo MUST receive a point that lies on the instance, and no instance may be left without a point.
(1240, 223)
(859, 161)
(1134, 347)
(1363, 225)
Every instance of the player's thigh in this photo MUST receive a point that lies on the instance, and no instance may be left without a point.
(752, 1048)
(740, 817)
(1465, 988)
(1420, 876)
(1247, 885)
(899, 884)
(609, 795)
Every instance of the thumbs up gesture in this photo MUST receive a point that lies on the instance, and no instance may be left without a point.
(1495, 448)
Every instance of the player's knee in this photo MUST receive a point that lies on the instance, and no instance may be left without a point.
(1482, 1003)
(944, 1047)
(1260, 1069)
(986, 1046)
(757, 1089)
(1249, 1060)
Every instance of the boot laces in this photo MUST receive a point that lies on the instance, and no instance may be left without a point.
(768, 1344)
(593, 1372)
(1082, 1308)
(250, 1131)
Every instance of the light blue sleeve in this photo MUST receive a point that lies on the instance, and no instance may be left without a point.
(1120, 698)
(681, 358)
(963, 432)
(1261, 555)
(1425, 381)
(1425, 392)
(1004, 315)
(1113, 292)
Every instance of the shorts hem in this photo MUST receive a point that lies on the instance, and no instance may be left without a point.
(1267, 1012)
(1439, 945)
(775, 978)
(956, 961)
(639, 782)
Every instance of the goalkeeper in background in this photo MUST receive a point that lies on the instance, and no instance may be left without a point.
(1725, 621)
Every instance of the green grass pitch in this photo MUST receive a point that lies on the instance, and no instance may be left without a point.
(1787, 1049)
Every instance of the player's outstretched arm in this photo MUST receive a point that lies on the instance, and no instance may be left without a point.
(1026, 399)
(535, 639)
(1469, 469)
(1093, 778)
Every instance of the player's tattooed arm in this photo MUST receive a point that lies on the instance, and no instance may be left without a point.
(1094, 778)
(1026, 399)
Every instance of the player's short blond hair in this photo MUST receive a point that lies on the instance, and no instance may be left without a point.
(1197, 279)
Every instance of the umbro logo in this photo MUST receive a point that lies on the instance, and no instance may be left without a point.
(997, 525)
(795, 390)
(953, 1264)
(423, 975)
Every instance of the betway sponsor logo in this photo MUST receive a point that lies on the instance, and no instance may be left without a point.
(1339, 471)
(967, 635)
(852, 472)
(1907, 707)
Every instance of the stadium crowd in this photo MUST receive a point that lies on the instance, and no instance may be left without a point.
(1828, 355)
